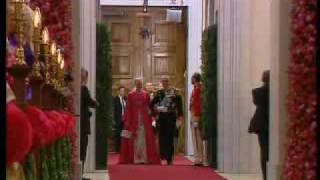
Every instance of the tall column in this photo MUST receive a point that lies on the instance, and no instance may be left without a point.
(88, 61)
(248, 150)
(76, 74)
(228, 85)
(194, 58)
(280, 38)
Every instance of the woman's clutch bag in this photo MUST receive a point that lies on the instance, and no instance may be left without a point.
(126, 134)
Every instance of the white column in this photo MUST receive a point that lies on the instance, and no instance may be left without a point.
(194, 58)
(76, 73)
(280, 38)
(228, 83)
(88, 61)
(248, 150)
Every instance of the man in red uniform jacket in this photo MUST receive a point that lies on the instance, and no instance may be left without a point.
(195, 111)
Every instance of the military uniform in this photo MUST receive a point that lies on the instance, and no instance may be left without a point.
(168, 105)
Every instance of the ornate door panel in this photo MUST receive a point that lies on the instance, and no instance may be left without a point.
(125, 45)
(160, 53)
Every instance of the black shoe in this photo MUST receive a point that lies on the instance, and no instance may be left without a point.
(85, 178)
(198, 164)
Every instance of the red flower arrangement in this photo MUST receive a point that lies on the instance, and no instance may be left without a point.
(19, 134)
(300, 161)
(42, 127)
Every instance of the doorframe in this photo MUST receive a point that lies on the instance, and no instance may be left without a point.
(193, 50)
(88, 21)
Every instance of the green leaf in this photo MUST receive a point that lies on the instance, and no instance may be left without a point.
(104, 111)
(209, 80)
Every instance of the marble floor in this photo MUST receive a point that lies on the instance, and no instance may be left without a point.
(103, 175)
(242, 176)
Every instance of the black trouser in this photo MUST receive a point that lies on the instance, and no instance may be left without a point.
(264, 152)
(167, 127)
(117, 138)
(83, 146)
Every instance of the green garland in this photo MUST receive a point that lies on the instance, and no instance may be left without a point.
(67, 156)
(44, 171)
(52, 162)
(209, 92)
(64, 157)
(56, 158)
(59, 156)
(29, 167)
(104, 111)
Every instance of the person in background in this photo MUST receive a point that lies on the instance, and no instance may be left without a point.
(167, 105)
(86, 103)
(195, 111)
(150, 90)
(119, 105)
(259, 123)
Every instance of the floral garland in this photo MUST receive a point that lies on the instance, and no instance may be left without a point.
(300, 161)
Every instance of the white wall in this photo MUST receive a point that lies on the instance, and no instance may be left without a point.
(260, 39)
(244, 52)
(280, 43)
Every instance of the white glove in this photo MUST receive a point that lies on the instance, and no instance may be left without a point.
(195, 124)
(154, 123)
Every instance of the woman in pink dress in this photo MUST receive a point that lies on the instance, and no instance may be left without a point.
(138, 141)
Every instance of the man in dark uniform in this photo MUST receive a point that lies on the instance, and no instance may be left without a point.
(167, 103)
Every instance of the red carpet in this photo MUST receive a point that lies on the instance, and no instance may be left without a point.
(181, 170)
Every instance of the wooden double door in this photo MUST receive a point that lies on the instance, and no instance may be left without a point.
(145, 45)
